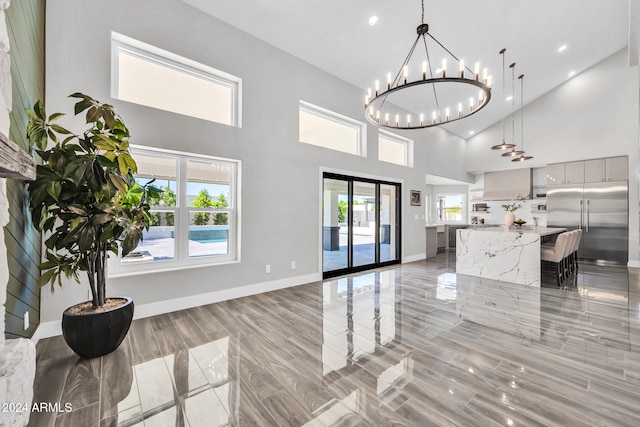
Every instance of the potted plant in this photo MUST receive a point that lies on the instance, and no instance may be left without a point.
(87, 203)
(510, 208)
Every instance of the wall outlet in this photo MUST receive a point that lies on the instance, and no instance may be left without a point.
(293, 265)
(26, 320)
(267, 268)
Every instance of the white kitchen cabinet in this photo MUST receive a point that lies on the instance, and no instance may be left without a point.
(555, 174)
(617, 168)
(595, 170)
(573, 172)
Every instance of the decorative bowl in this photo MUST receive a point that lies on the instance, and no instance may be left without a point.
(519, 222)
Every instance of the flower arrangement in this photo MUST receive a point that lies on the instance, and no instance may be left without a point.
(512, 207)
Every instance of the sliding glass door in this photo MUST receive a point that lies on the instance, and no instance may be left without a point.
(360, 224)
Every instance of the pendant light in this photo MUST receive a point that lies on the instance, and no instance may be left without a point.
(503, 145)
(522, 157)
(513, 151)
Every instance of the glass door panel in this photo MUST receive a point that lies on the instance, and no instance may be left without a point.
(364, 223)
(389, 248)
(335, 220)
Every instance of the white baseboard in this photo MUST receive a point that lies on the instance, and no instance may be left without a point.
(50, 329)
(633, 263)
(412, 258)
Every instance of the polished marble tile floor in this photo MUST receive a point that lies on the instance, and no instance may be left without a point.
(411, 345)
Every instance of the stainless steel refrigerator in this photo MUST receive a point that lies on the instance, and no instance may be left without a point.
(601, 210)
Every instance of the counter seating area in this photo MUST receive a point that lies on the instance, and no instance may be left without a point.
(562, 254)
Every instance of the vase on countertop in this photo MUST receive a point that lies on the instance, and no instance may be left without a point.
(509, 218)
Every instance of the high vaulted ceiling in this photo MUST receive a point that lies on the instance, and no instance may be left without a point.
(335, 36)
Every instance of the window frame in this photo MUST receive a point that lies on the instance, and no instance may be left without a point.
(408, 144)
(181, 259)
(360, 127)
(463, 214)
(155, 55)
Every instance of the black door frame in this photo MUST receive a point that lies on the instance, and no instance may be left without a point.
(398, 225)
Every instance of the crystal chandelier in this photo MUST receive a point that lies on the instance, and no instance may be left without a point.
(441, 99)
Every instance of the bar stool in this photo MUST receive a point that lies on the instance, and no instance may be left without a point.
(567, 262)
(576, 246)
(557, 254)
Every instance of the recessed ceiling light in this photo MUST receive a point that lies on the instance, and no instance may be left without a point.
(471, 132)
(509, 98)
(373, 20)
(572, 73)
(562, 48)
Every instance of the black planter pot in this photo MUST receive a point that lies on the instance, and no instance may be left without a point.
(97, 334)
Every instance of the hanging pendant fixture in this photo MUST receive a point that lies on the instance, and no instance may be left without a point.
(522, 157)
(513, 152)
(383, 107)
(503, 145)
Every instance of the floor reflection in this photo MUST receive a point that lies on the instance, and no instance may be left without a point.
(414, 344)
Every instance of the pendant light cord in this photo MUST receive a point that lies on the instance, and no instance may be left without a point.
(521, 78)
(503, 97)
(513, 103)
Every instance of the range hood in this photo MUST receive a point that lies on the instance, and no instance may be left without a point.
(508, 185)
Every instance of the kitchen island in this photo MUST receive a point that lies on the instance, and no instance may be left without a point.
(501, 253)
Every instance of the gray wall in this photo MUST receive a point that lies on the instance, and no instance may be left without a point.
(280, 175)
(25, 22)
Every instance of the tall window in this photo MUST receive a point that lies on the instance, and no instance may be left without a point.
(395, 149)
(327, 129)
(450, 207)
(195, 221)
(146, 75)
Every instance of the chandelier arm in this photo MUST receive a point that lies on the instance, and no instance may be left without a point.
(435, 92)
(396, 81)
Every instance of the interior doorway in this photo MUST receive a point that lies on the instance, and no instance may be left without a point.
(360, 224)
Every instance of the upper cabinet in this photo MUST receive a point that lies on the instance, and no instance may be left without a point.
(617, 168)
(574, 172)
(555, 174)
(596, 170)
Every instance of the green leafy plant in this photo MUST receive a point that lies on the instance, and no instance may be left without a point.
(84, 197)
(202, 200)
(221, 218)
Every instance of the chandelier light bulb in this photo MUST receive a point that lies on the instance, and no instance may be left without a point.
(421, 119)
(447, 114)
(397, 120)
(480, 97)
(476, 71)
(435, 116)
(484, 75)
(460, 109)
(444, 68)
(471, 104)
(386, 118)
(388, 81)
(377, 87)
(424, 70)
(489, 81)
(378, 116)
(409, 120)
(462, 68)
(406, 74)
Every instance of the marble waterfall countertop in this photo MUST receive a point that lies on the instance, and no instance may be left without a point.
(542, 231)
(501, 253)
